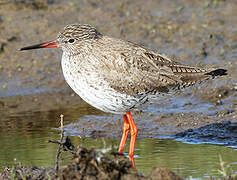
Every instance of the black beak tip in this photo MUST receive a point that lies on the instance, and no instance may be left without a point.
(47, 44)
(37, 46)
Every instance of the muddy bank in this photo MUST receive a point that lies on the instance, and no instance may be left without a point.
(223, 133)
(88, 164)
(198, 32)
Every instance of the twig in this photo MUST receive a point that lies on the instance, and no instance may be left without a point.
(53, 141)
(60, 143)
(64, 144)
(67, 144)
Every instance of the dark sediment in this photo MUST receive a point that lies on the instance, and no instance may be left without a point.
(223, 133)
(88, 164)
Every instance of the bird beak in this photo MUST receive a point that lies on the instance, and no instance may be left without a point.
(48, 44)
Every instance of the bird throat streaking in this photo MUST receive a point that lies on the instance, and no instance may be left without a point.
(120, 77)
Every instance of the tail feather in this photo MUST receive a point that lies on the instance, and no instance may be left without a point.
(217, 72)
(190, 80)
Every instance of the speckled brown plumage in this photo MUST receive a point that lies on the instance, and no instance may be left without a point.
(122, 66)
(119, 76)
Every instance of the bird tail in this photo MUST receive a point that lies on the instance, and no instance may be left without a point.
(217, 72)
(192, 79)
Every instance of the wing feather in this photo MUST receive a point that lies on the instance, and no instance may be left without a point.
(135, 70)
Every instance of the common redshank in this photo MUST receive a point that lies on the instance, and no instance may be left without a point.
(120, 77)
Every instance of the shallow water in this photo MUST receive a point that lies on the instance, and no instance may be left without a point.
(25, 135)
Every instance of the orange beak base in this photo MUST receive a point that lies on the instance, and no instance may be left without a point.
(48, 44)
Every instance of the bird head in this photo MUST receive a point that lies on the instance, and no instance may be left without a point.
(71, 38)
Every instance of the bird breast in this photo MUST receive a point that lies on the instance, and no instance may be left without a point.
(83, 78)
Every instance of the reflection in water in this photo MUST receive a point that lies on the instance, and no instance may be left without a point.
(24, 137)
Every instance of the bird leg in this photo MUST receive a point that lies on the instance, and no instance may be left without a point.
(128, 124)
(133, 137)
(126, 128)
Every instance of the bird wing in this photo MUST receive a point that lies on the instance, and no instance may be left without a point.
(134, 70)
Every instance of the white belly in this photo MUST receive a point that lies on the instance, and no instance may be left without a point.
(94, 90)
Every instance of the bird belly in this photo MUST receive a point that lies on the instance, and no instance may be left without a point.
(100, 95)
(96, 92)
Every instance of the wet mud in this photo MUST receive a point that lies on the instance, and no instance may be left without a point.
(88, 164)
(223, 133)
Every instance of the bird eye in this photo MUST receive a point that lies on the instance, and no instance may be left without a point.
(71, 40)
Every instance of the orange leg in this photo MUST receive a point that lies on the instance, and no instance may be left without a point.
(133, 137)
(126, 128)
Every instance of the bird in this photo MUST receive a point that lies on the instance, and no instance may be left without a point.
(119, 76)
